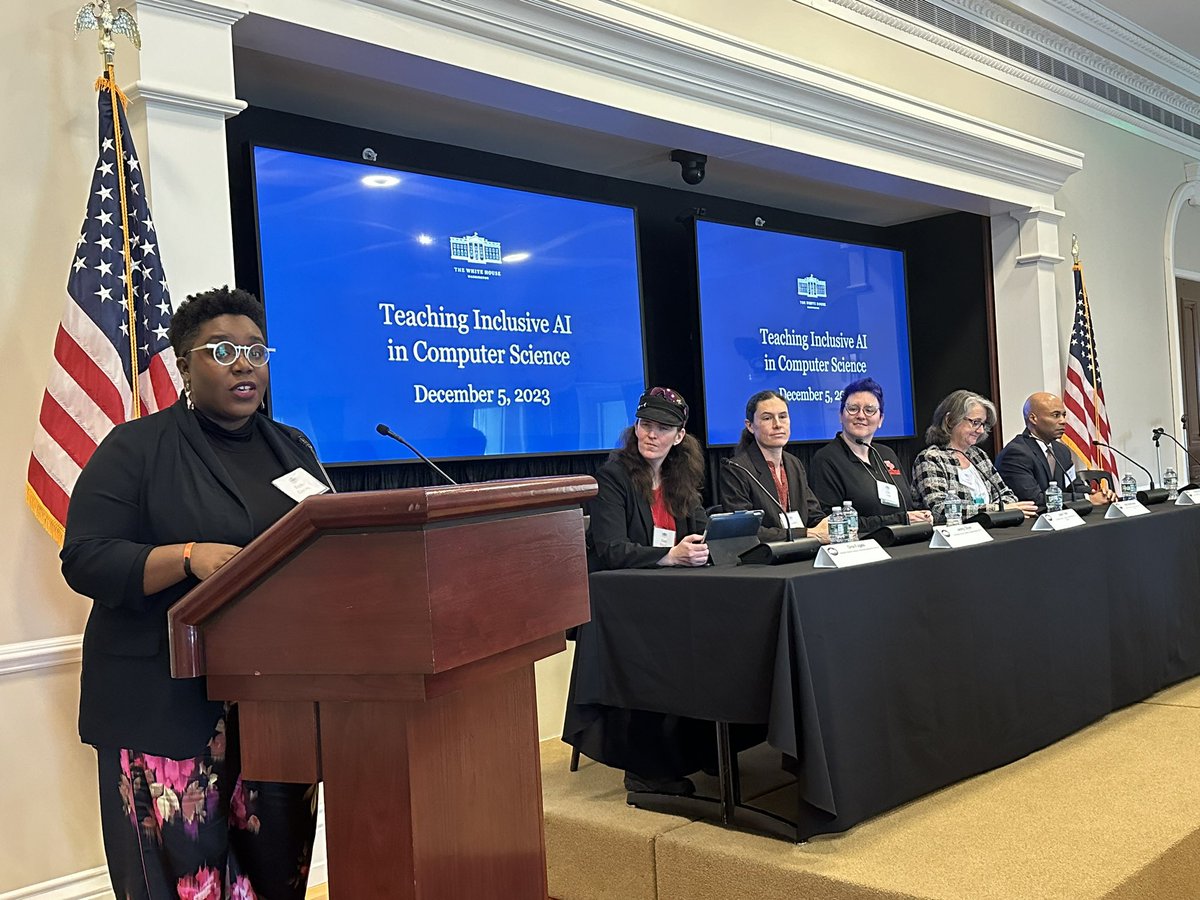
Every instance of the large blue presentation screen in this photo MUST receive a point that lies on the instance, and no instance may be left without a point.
(474, 320)
(802, 316)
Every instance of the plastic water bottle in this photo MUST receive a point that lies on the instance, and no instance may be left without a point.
(1053, 498)
(1128, 487)
(851, 515)
(1171, 483)
(953, 508)
(837, 526)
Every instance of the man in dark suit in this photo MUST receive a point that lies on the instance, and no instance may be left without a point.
(1036, 456)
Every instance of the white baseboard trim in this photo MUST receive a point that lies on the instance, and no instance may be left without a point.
(94, 885)
(28, 655)
(90, 885)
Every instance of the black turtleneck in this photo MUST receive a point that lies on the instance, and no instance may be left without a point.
(252, 465)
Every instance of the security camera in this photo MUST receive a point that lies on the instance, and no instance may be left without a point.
(369, 155)
(691, 165)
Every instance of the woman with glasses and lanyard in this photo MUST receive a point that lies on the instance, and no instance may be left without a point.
(952, 466)
(851, 467)
(164, 502)
(760, 475)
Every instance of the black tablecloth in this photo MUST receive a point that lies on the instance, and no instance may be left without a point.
(894, 679)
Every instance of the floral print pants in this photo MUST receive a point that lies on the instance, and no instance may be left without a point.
(192, 829)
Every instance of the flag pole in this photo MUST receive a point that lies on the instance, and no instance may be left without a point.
(100, 16)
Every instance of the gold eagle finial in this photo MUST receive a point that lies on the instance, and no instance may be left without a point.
(101, 17)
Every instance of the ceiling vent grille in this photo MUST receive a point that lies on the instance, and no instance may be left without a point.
(972, 32)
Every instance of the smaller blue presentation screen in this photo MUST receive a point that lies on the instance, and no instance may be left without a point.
(473, 320)
(802, 316)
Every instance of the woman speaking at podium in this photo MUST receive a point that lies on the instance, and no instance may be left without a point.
(851, 467)
(164, 502)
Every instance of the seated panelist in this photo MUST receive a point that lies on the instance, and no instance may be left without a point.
(646, 514)
(952, 466)
(648, 511)
(760, 475)
(851, 467)
(1036, 456)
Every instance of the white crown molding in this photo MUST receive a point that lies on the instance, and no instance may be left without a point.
(694, 63)
(166, 96)
(917, 34)
(1062, 46)
(222, 13)
(43, 654)
(1117, 36)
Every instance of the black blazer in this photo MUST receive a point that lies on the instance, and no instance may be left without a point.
(1024, 468)
(739, 492)
(152, 481)
(838, 475)
(621, 529)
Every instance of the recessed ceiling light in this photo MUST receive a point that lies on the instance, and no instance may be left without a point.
(516, 257)
(380, 181)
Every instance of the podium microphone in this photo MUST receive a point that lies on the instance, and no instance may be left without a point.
(770, 495)
(387, 432)
(1154, 495)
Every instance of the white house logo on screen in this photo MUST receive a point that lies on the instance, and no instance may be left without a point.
(812, 292)
(475, 252)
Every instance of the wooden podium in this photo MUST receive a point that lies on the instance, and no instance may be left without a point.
(384, 643)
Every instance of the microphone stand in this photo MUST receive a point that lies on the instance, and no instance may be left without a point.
(1159, 432)
(1157, 458)
(387, 432)
(1152, 496)
(783, 515)
(773, 552)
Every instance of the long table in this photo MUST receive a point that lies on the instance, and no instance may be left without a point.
(893, 679)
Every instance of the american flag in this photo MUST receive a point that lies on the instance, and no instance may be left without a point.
(116, 318)
(1087, 417)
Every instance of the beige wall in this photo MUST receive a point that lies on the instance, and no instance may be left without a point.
(1117, 205)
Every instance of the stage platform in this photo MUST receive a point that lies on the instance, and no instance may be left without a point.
(1112, 811)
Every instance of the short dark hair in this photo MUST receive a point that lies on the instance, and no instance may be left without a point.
(869, 385)
(746, 438)
(199, 308)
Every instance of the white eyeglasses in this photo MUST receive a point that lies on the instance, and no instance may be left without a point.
(227, 352)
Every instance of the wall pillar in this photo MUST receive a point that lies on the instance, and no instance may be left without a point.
(1025, 253)
(182, 98)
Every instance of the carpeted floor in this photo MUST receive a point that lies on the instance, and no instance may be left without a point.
(1111, 812)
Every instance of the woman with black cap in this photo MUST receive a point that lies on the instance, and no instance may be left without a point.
(648, 511)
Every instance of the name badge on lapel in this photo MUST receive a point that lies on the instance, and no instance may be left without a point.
(664, 537)
(888, 495)
(299, 483)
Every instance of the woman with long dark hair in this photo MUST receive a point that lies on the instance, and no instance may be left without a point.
(648, 512)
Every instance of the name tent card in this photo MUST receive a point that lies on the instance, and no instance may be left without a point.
(1125, 509)
(952, 537)
(1188, 498)
(1058, 521)
(854, 553)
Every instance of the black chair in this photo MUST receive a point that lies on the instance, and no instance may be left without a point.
(1096, 479)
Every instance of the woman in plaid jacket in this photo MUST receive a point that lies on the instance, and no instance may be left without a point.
(952, 466)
